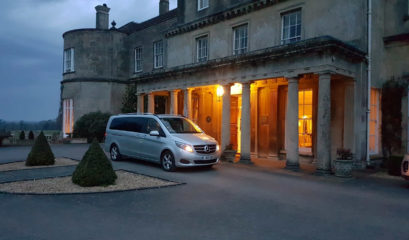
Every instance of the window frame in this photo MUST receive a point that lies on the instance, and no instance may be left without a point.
(68, 62)
(200, 58)
(291, 39)
(157, 56)
(237, 50)
(204, 3)
(136, 69)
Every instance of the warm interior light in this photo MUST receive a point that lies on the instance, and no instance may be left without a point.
(236, 89)
(220, 91)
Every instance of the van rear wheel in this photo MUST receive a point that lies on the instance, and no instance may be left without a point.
(114, 153)
(167, 161)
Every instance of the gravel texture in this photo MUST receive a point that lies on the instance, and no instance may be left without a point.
(59, 162)
(64, 185)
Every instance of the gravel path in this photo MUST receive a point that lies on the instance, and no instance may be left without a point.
(59, 162)
(63, 185)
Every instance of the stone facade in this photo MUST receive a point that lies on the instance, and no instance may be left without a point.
(327, 61)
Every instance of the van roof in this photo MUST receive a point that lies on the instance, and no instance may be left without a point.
(148, 114)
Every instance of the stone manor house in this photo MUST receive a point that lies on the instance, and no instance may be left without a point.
(270, 77)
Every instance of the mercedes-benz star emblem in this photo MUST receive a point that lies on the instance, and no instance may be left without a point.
(206, 148)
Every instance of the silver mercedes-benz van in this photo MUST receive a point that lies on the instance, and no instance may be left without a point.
(173, 141)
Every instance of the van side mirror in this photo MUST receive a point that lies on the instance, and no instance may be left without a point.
(154, 133)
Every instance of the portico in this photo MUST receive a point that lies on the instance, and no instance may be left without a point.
(279, 110)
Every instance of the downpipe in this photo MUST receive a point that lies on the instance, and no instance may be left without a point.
(369, 73)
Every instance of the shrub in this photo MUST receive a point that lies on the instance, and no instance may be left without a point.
(394, 165)
(41, 153)
(129, 100)
(22, 135)
(94, 169)
(31, 135)
(91, 125)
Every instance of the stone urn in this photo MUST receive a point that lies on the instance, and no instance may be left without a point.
(229, 154)
(344, 163)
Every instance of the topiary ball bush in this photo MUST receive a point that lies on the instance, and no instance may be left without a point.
(41, 153)
(94, 169)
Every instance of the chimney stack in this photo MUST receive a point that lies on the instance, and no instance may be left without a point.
(102, 21)
(163, 6)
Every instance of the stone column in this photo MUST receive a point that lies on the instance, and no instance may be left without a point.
(141, 103)
(187, 108)
(245, 124)
(226, 117)
(151, 103)
(324, 125)
(291, 125)
(174, 102)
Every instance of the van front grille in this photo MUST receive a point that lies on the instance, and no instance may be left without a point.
(205, 149)
(205, 161)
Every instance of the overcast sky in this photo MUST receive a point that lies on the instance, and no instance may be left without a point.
(31, 48)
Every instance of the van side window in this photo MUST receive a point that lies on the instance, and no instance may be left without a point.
(153, 125)
(117, 124)
(130, 124)
(136, 124)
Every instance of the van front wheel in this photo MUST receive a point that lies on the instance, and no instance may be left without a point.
(167, 161)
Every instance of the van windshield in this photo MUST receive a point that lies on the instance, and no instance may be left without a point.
(180, 125)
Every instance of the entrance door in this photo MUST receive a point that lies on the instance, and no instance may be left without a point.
(207, 114)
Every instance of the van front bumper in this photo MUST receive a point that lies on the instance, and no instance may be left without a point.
(187, 159)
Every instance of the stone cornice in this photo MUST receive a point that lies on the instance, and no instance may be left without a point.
(222, 16)
(320, 44)
(107, 80)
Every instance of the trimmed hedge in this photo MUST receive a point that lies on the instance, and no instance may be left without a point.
(41, 153)
(94, 169)
(91, 125)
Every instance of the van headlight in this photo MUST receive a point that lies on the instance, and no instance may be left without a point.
(217, 147)
(186, 147)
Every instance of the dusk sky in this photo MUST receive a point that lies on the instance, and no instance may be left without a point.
(31, 47)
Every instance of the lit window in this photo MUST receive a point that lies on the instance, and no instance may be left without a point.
(69, 60)
(291, 27)
(202, 4)
(138, 59)
(158, 54)
(68, 117)
(374, 122)
(305, 119)
(202, 48)
(240, 39)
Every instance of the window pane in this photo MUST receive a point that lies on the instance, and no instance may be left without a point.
(292, 19)
(307, 97)
(307, 111)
